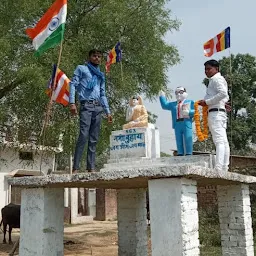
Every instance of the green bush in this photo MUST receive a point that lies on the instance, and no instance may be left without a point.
(209, 230)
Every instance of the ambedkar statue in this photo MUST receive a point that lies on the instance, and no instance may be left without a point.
(182, 117)
(136, 114)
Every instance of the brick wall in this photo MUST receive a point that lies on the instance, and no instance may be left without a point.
(235, 220)
(206, 196)
(106, 204)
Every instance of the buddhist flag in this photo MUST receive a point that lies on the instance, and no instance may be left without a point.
(114, 56)
(49, 31)
(218, 43)
(59, 92)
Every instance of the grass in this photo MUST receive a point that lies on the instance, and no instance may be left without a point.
(209, 231)
(210, 251)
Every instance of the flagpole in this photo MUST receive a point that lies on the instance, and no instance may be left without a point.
(122, 74)
(231, 103)
(49, 105)
(121, 64)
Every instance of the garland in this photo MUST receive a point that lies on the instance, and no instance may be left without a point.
(201, 135)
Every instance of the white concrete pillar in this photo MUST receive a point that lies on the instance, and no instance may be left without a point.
(235, 220)
(41, 223)
(73, 204)
(132, 222)
(92, 202)
(66, 197)
(174, 217)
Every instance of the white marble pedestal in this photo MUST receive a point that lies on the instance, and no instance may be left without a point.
(135, 142)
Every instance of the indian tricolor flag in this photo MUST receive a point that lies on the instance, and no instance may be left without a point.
(49, 31)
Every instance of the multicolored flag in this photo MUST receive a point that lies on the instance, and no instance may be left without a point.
(49, 31)
(59, 92)
(114, 56)
(218, 43)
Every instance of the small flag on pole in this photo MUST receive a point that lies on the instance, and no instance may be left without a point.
(114, 56)
(218, 43)
(49, 31)
(59, 92)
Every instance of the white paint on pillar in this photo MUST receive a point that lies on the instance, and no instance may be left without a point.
(66, 197)
(75, 218)
(235, 220)
(73, 204)
(92, 202)
(42, 219)
(174, 217)
(132, 222)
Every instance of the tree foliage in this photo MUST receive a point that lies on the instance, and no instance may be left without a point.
(139, 24)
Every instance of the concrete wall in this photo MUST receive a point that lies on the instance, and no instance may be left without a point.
(3, 191)
(9, 161)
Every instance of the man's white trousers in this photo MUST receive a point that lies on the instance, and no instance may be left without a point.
(217, 122)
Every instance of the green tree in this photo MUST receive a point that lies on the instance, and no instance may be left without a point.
(139, 24)
(242, 91)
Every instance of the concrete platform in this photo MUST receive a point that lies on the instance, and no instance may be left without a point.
(172, 185)
(134, 177)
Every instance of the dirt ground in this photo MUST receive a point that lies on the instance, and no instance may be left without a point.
(94, 239)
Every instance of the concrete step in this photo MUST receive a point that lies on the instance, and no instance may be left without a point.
(131, 166)
(200, 160)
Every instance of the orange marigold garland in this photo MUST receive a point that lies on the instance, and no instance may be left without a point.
(201, 135)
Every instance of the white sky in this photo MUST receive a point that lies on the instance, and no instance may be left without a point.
(202, 20)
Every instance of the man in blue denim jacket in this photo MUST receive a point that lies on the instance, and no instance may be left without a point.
(182, 118)
(89, 83)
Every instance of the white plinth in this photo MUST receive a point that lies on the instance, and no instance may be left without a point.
(132, 222)
(174, 217)
(135, 142)
(42, 222)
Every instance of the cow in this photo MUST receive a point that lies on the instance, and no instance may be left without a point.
(10, 217)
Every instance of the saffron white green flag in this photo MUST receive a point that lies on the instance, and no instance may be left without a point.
(49, 31)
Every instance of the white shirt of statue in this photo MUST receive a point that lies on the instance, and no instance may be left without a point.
(182, 109)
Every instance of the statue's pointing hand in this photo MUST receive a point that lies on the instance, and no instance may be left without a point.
(161, 93)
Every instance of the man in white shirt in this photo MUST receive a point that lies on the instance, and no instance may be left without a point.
(216, 98)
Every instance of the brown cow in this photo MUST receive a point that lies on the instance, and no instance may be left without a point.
(10, 217)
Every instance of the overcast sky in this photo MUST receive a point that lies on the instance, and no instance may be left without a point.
(202, 20)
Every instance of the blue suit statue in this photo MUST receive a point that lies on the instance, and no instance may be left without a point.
(182, 118)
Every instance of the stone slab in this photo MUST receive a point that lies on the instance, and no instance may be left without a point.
(134, 177)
